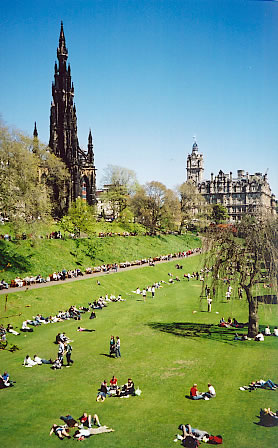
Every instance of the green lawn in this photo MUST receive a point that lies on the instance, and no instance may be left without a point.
(33, 257)
(165, 346)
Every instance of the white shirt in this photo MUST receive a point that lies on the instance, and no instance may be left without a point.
(212, 391)
(267, 331)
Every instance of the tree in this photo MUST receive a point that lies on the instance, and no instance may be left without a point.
(247, 254)
(80, 218)
(120, 184)
(26, 176)
(219, 213)
(155, 206)
(192, 204)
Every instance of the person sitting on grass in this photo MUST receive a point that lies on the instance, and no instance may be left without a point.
(5, 381)
(210, 393)
(127, 389)
(259, 337)
(86, 420)
(195, 394)
(268, 417)
(60, 430)
(267, 331)
(275, 331)
(103, 391)
(57, 364)
(113, 382)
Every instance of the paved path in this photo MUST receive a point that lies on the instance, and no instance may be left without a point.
(87, 276)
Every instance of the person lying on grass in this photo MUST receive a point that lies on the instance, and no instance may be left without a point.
(41, 361)
(260, 384)
(84, 329)
(61, 431)
(82, 433)
(188, 439)
(28, 362)
(190, 436)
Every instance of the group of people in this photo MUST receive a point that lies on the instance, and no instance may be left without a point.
(196, 395)
(191, 437)
(113, 390)
(260, 384)
(73, 273)
(84, 427)
(64, 349)
(115, 347)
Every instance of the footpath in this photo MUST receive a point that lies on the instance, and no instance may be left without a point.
(88, 276)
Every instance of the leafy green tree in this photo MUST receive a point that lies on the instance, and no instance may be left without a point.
(247, 255)
(155, 206)
(80, 218)
(25, 197)
(219, 213)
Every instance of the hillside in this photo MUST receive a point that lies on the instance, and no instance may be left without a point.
(46, 256)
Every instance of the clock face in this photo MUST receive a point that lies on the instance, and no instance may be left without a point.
(193, 162)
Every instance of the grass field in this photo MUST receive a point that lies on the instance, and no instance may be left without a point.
(33, 257)
(165, 349)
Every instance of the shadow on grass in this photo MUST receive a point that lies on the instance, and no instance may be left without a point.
(11, 259)
(195, 330)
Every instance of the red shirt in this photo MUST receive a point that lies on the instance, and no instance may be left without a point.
(193, 391)
(113, 382)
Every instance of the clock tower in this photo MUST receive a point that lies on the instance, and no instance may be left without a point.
(195, 165)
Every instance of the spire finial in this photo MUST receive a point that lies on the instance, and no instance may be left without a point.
(35, 133)
(62, 51)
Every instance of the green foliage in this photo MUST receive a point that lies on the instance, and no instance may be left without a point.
(219, 213)
(80, 218)
(27, 175)
(156, 207)
(247, 255)
(165, 349)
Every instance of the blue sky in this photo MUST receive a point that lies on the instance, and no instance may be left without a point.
(148, 76)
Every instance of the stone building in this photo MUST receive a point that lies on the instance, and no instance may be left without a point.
(245, 193)
(63, 134)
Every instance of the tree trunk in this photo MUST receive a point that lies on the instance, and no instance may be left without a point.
(253, 324)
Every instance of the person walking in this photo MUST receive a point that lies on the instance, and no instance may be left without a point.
(118, 347)
(153, 291)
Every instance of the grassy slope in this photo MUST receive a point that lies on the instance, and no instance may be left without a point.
(47, 256)
(162, 364)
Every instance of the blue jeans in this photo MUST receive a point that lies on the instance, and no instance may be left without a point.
(198, 397)
(118, 352)
(269, 383)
